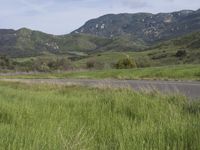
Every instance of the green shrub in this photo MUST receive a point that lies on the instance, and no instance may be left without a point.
(5, 62)
(181, 53)
(90, 64)
(45, 65)
(143, 62)
(126, 63)
(93, 64)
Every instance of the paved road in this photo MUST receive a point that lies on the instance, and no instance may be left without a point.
(190, 88)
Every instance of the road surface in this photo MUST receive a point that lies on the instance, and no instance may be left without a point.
(188, 88)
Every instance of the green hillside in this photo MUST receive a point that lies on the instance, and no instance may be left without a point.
(27, 48)
(28, 43)
(76, 51)
(164, 53)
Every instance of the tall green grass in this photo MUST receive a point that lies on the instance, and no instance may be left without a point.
(177, 72)
(51, 117)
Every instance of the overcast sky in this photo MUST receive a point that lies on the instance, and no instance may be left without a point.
(63, 16)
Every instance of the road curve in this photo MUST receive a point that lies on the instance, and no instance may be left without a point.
(188, 88)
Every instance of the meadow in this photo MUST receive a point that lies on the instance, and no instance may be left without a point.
(54, 117)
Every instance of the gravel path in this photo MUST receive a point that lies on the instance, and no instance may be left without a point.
(190, 88)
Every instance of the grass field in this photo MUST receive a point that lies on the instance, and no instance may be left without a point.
(179, 72)
(53, 117)
(182, 72)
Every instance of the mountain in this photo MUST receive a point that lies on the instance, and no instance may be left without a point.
(122, 32)
(25, 42)
(147, 27)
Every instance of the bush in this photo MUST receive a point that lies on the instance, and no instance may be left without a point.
(181, 53)
(45, 65)
(126, 63)
(90, 64)
(94, 64)
(60, 64)
(5, 62)
(143, 62)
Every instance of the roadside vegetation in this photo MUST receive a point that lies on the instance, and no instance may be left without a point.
(53, 117)
(182, 72)
(179, 72)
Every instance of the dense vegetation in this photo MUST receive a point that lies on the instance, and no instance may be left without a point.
(6, 63)
(56, 117)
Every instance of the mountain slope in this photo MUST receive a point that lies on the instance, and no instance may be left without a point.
(182, 50)
(190, 42)
(25, 42)
(164, 53)
(144, 26)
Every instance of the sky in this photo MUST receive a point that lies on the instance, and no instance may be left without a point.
(64, 16)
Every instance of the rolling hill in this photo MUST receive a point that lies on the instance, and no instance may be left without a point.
(26, 43)
(109, 33)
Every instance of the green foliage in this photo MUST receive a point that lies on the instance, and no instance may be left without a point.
(45, 64)
(56, 117)
(126, 63)
(94, 64)
(181, 53)
(143, 62)
(90, 64)
(189, 41)
(5, 62)
(81, 49)
(180, 72)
